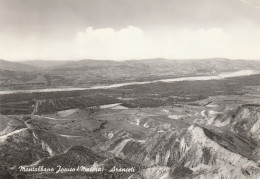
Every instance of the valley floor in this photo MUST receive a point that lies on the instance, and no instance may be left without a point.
(212, 137)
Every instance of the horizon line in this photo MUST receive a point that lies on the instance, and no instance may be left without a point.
(159, 58)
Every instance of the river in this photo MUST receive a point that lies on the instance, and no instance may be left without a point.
(195, 78)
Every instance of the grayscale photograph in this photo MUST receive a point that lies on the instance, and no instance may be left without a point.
(129, 89)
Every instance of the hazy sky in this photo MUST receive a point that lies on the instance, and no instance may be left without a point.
(129, 29)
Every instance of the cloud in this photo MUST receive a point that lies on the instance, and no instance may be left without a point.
(135, 43)
(107, 43)
(254, 3)
(132, 43)
(185, 43)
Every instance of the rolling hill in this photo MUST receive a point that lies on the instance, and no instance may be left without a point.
(16, 66)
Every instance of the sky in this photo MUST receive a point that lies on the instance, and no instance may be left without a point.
(129, 29)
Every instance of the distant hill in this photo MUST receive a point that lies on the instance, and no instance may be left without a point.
(97, 72)
(113, 70)
(217, 64)
(16, 66)
(44, 63)
(88, 63)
